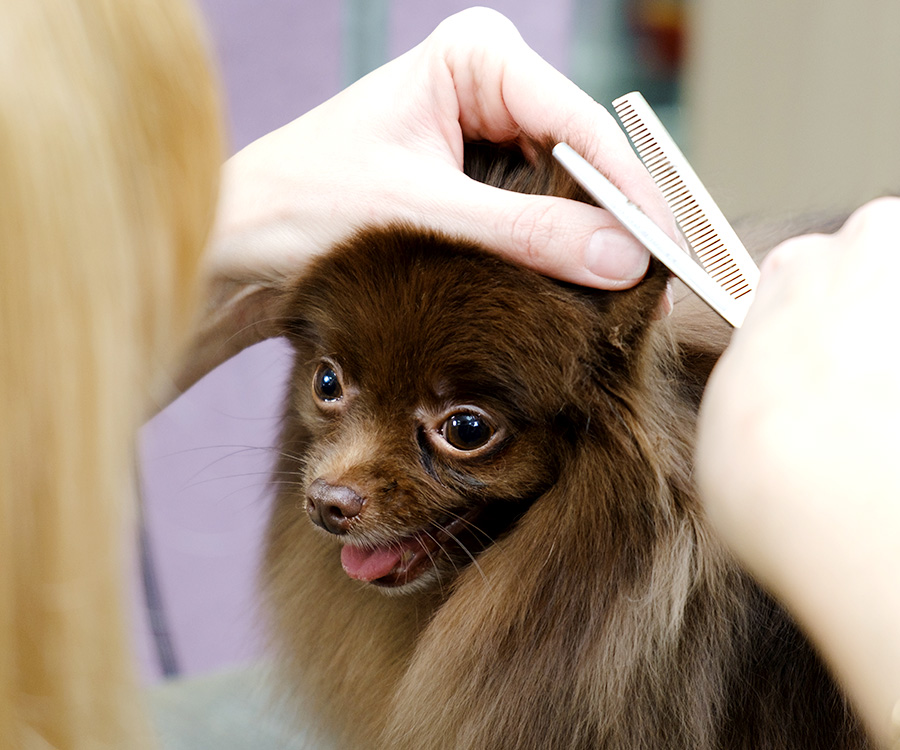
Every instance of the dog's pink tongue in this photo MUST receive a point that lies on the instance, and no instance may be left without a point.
(367, 564)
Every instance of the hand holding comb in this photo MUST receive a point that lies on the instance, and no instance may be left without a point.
(726, 276)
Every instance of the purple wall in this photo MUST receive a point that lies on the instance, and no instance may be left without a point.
(205, 459)
(545, 26)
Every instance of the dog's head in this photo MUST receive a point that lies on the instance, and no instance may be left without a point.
(437, 391)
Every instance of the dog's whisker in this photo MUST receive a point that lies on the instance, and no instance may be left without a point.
(189, 482)
(299, 458)
(488, 539)
(288, 473)
(236, 449)
(431, 558)
(225, 477)
(467, 551)
(438, 545)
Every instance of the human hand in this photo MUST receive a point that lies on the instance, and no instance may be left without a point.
(390, 148)
(797, 450)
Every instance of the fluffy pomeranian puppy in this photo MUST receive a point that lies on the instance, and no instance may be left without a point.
(486, 535)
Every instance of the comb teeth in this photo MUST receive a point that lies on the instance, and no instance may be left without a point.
(710, 235)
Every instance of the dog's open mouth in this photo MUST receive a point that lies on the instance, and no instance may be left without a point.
(459, 538)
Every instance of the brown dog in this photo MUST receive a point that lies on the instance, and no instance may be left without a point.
(486, 534)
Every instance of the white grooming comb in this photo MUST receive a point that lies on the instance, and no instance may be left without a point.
(711, 237)
(728, 277)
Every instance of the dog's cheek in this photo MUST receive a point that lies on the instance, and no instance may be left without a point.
(404, 498)
(527, 467)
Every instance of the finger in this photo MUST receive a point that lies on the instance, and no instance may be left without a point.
(509, 89)
(561, 238)
(871, 240)
(878, 215)
(794, 268)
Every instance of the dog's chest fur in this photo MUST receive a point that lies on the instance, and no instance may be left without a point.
(583, 603)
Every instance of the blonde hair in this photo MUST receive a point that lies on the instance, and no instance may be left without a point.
(109, 157)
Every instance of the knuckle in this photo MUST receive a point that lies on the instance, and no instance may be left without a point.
(793, 253)
(888, 206)
(881, 213)
(481, 21)
(533, 230)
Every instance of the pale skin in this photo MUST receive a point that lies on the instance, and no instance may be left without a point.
(389, 148)
(798, 448)
(794, 459)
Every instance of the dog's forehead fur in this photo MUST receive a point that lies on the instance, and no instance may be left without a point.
(413, 316)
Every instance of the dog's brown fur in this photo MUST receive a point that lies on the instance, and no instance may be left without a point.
(604, 613)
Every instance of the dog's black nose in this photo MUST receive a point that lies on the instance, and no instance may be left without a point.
(333, 507)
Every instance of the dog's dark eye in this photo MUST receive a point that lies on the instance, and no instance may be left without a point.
(467, 431)
(326, 384)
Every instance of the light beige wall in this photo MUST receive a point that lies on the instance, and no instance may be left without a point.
(793, 105)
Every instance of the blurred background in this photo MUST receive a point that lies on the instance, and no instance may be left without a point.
(782, 107)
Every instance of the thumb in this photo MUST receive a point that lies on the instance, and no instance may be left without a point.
(562, 238)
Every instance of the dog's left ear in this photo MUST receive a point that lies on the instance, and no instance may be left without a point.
(624, 318)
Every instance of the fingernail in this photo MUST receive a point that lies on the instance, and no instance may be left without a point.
(615, 255)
